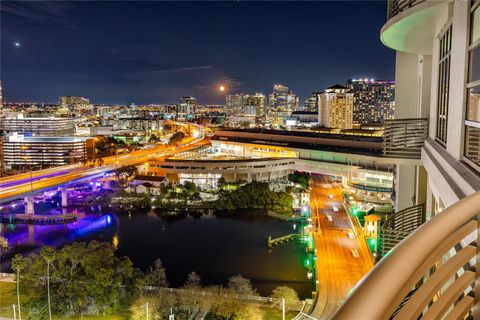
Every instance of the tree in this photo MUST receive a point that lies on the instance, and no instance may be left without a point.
(221, 182)
(176, 138)
(86, 278)
(48, 254)
(153, 138)
(254, 195)
(156, 276)
(287, 293)
(301, 178)
(193, 281)
(139, 308)
(189, 187)
(18, 264)
(248, 311)
(241, 285)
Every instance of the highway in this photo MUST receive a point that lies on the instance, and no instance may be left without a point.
(341, 260)
(16, 186)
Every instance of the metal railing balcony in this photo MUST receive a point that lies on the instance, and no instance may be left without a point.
(399, 225)
(397, 6)
(431, 274)
(404, 138)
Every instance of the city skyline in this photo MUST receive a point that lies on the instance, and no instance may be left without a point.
(88, 56)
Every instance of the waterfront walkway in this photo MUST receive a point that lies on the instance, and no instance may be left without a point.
(38, 219)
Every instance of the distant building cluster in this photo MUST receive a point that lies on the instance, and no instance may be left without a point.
(40, 134)
(358, 103)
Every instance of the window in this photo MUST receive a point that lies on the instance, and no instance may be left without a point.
(443, 85)
(472, 117)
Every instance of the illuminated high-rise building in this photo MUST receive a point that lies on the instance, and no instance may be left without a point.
(312, 103)
(336, 108)
(38, 126)
(73, 103)
(186, 108)
(373, 100)
(255, 105)
(233, 104)
(281, 103)
(243, 108)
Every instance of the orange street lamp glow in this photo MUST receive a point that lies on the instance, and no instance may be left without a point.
(221, 88)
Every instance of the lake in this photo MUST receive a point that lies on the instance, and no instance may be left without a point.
(216, 246)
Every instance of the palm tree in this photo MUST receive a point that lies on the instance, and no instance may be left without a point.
(18, 264)
(48, 253)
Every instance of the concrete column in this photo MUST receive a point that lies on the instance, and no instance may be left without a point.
(29, 205)
(457, 97)
(31, 233)
(406, 95)
(421, 185)
(405, 186)
(63, 189)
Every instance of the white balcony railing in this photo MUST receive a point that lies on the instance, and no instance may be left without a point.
(397, 6)
(430, 274)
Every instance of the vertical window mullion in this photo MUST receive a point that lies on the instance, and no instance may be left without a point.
(443, 86)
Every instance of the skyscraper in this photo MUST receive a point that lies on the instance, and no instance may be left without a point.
(336, 108)
(186, 107)
(312, 103)
(73, 104)
(281, 103)
(233, 104)
(255, 105)
(246, 108)
(373, 100)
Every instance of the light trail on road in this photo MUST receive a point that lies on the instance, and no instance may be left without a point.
(14, 187)
(337, 269)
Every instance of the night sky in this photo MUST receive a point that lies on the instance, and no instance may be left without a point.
(156, 52)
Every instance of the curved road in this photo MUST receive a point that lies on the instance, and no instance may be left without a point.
(16, 186)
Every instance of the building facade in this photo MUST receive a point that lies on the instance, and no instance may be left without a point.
(245, 108)
(281, 103)
(41, 126)
(186, 108)
(72, 104)
(437, 77)
(37, 152)
(373, 100)
(312, 103)
(336, 108)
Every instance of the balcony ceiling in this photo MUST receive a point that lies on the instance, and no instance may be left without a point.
(413, 30)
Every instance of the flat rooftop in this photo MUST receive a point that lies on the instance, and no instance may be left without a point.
(343, 143)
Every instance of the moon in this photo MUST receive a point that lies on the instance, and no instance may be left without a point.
(221, 88)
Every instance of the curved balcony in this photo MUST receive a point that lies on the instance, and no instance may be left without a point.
(411, 25)
(430, 275)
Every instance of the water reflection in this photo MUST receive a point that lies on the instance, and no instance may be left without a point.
(216, 246)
